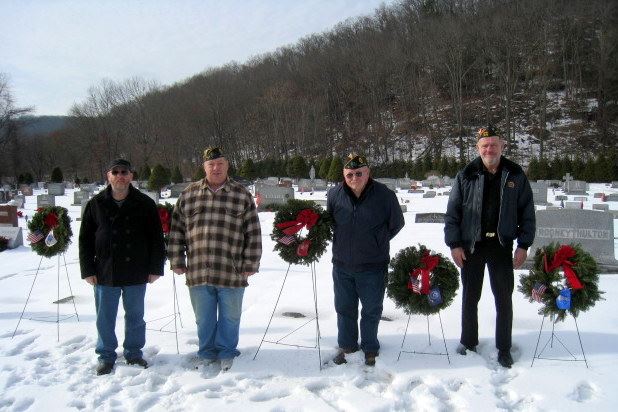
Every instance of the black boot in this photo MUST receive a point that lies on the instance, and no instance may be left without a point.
(370, 358)
(462, 349)
(504, 358)
(339, 359)
(138, 361)
(104, 368)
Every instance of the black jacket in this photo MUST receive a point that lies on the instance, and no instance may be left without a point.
(516, 218)
(121, 246)
(363, 227)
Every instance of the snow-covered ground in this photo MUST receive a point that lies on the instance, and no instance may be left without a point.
(38, 371)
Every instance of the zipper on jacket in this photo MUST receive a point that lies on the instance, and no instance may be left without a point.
(505, 175)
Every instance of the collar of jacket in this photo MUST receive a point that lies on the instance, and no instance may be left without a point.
(226, 185)
(475, 167)
(108, 192)
(350, 192)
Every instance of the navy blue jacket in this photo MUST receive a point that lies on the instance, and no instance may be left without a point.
(363, 227)
(516, 219)
(121, 246)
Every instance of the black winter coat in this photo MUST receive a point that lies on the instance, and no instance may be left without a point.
(516, 219)
(121, 246)
(363, 227)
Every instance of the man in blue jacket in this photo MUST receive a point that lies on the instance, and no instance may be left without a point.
(366, 216)
(490, 206)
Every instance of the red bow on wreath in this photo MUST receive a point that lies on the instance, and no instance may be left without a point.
(164, 216)
(305, 218)
(430, 262)
(561, 257)
(51, 220)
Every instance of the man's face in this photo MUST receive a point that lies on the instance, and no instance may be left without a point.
(490, 150)
(216, 171)
(356, 178)
(120, 178)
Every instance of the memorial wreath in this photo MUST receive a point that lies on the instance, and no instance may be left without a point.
(50, 231)
(421, 282)
(564, 278)
(301, 231)
(165, 216)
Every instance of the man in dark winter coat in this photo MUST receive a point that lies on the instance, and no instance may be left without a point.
(366, 216)
(490, 206)
(121, 248)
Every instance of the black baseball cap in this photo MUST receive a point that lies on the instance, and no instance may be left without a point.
(120, 163)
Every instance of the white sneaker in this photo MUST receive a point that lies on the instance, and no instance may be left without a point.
(226, 364)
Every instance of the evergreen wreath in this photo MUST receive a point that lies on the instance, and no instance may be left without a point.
(559, 267)
(406, 289)
(301, 231)
(50, 231)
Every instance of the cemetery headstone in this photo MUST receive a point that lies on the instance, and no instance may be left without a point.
(19, 200)
(615, 184)
(389, 182)
(580, 198)
(8, 216)
(429, 194)
(80, 195)
(56, 189)
(601, 206)
(177, 189)
(429, 218)
(25, 190)
(13, 234)
(45, 201)
(573, 205)
(561, 197)
(594, 231)
(272, 195)
(539, 192)
(599, 195)
(612, 197)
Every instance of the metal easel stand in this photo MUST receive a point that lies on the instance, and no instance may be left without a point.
(316, 318)
(58, 301)
(445, 353)
(173, 316)
(538, 354)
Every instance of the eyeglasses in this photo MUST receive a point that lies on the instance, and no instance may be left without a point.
(351, 175)
(123, 172)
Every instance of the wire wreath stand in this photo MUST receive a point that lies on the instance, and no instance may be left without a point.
(550, 341)
(174, 315)
(445, 353)
(57, 302)
(316, 318)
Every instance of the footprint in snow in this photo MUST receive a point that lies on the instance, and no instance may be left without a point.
(584, 391)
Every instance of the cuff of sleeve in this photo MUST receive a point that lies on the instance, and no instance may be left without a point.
(524, 247)
(455, 245)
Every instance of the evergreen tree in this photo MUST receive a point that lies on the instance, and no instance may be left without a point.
(334, 171)
(533, 169)
(543, 169)
(145, 172)
(325, 167)
(247, 170)
(556, 169)
(158, 178)
(199, 174)
(56, 175)
(177, 175)
(417, 172)
(297, 167)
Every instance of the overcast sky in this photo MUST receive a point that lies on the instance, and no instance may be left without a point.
(52, 51)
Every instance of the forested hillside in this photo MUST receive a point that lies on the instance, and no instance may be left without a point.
(408, 86)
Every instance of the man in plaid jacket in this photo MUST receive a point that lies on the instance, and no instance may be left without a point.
(215, 239)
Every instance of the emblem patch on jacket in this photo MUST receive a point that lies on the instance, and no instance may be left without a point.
(510, 184)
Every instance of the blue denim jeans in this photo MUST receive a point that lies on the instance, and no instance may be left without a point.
(106, 300)
(350, 287)
(218, 335)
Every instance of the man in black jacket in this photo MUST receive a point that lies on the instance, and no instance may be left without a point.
(121, 248)
(366, 216)
(489, 207)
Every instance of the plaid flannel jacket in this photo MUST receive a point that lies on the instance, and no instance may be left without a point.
(216, 236)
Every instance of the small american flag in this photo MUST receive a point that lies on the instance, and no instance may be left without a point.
(35, 237)
(414, 284)
(287, 240)
(537, 291)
